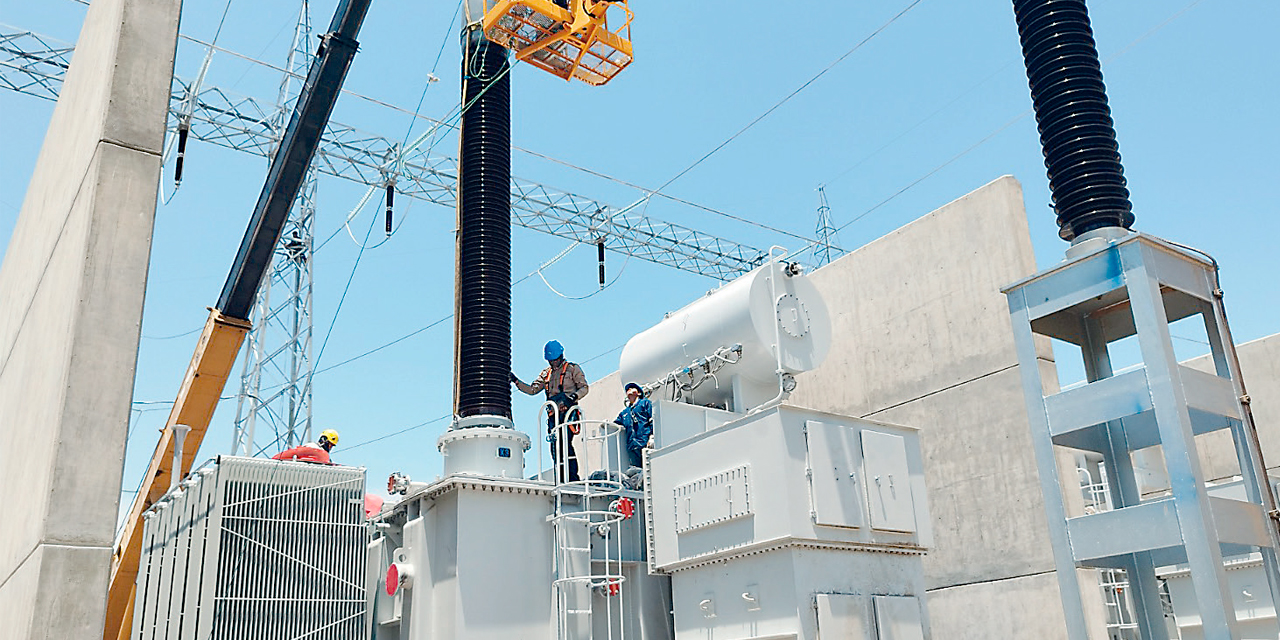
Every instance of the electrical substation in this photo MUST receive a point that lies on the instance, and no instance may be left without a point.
(873, 447)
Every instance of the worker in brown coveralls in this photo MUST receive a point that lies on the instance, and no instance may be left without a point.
(565, 384)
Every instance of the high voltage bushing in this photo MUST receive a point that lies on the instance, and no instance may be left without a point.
(1076, 131)
(484, 243)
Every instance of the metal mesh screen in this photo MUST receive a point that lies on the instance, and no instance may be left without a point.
(258, 550)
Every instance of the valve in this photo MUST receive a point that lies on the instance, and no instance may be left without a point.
(397, 483)
(624, 506)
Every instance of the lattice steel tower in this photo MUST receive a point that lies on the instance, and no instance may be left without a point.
(827, 242)
(275, 386)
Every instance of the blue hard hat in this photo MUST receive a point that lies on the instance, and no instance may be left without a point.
(552, 351)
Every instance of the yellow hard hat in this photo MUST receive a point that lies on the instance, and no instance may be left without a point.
(330, 435)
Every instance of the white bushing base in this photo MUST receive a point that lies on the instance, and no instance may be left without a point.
(484, 451)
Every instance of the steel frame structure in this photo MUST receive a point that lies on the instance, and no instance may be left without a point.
(35, 65)
(1136, 285)
(275, 385)
(826, 246)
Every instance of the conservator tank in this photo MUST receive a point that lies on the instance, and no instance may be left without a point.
(772, 305)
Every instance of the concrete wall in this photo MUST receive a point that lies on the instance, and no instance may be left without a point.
(922, 338)
(72, 285)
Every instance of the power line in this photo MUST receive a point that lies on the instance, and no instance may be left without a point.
(400, 432)
(1008, 124)
(448, 125)
(790, 96)
(431, 77)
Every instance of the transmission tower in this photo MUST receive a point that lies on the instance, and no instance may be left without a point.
(275, 386)
(827, 242)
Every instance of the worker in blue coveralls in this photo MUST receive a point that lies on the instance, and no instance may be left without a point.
(637, 417)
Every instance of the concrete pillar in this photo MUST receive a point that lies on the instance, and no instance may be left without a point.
(72, 286)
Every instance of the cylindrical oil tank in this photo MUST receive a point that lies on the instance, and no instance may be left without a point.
(765, 306)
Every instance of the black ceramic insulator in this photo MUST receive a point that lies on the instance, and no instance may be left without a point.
(600, 257)
(183, 130)
(1076, 131)
(391, 199)
(484, 243)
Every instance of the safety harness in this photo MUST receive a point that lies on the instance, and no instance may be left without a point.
(564, 369)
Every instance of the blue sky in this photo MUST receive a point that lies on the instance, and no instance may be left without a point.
(929, 109)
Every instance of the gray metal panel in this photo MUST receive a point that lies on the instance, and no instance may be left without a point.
(1238, 522)
(164, 587)
(717, 498)
(888, 481)
(843, 617)
(145, 582)
(1110, 399)
(836, 493)
(1151, 525)
(184, 511)
(1209, 393)
(1088, 280)
(1176, 269)
(898, 618)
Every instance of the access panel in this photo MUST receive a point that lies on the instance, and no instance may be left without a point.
(843, 617)
(888, 482)
(835, 493)
(898, 618)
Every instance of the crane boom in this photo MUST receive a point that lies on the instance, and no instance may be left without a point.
(228, 322)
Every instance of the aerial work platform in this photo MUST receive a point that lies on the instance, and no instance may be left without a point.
(573, 41)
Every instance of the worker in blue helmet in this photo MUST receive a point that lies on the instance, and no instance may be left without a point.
(564, 385)
(637, 418)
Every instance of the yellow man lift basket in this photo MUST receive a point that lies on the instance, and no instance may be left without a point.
(570, 43)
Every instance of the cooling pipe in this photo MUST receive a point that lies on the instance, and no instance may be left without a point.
(483, 303)
(1076, 131)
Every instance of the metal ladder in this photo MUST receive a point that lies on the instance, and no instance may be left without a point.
(587, 574)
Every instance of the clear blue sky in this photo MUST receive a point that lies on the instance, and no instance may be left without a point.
(933, 107)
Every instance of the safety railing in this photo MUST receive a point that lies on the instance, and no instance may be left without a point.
(588, 512)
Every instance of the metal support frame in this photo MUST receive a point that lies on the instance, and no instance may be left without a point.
(35, 65)
(275, 386)
(1136, 286)
(827, 246)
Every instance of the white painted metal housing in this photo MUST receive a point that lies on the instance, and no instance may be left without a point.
(481, 553)
(764, 520)
(255, 548)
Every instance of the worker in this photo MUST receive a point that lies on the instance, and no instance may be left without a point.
(637, 418)
(317, 452)
(565, 385)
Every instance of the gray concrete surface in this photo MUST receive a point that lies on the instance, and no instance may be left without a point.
(72, 282)
(922, 338)
(996, 610)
